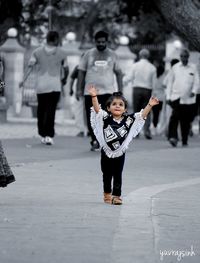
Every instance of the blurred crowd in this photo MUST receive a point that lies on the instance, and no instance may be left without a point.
(177, 88)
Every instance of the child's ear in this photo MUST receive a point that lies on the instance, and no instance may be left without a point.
(108, 108)
(125, 112)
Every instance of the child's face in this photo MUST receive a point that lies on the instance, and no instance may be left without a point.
(117, 108)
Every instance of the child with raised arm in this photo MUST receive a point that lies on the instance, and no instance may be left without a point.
(114, 130)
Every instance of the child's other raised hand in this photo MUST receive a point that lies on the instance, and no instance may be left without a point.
(92, 90)
(153, 101)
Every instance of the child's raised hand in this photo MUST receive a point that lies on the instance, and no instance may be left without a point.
(92, 90)
(153, 101)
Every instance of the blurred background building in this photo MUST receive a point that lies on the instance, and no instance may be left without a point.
(132, 25)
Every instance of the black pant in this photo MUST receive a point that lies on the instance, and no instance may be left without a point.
(183, 114)
(156, 113)
(112, 169)
(141, 98)
(197, 106)
(46, 111)
(88, 104)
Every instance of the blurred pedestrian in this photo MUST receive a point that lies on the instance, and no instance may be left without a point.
(114, 129)
(6, 174)
(182, 87)
(166, 109)
(77, 105)
(197, 109)
(158, 92)
(197, 104)
(50, 61)
(98, 66)
(143, 77)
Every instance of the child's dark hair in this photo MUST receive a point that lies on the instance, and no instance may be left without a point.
(117, 95)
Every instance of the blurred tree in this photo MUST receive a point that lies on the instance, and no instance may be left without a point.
(184, 17)
(180, 15)
(10, 16)
(153, 19)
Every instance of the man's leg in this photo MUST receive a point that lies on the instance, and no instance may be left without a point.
(88, 105)
(173, 123)
(186, 118)
(103, 99)
(79, 116)
(53, 99)
(146, 95)
(137, 99)
(41, 113)
(141, 98)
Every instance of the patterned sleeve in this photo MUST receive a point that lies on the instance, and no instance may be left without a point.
(137, 124)
(97, 122)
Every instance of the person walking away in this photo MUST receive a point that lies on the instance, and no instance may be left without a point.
(143, 77)
(197, 104)
(98, 66)
(158, 92)
(114, 130)
(77, 105)
(166, 109)
(49, 60)
(182, 88)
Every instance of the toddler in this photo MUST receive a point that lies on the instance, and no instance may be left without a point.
(114, 130)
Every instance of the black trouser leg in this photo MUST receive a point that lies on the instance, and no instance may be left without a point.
(186, 118)
(141, 98)
(118, 166)
(156, 112)
(107, 173)
(41, 114)
(88, 105)
(174, 120)
(51, 112)
(47, 103)
(112, 169)
(198, 109)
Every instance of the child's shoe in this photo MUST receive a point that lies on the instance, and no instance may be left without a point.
(116, 200)
(107, 198)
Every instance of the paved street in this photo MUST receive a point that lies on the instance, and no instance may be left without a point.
(54, 211)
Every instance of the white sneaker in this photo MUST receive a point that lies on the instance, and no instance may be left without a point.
(48, 140)
(153, 131)
(43, 141)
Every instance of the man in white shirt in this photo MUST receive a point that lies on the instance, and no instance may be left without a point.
(182, 87)
(143, 77)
